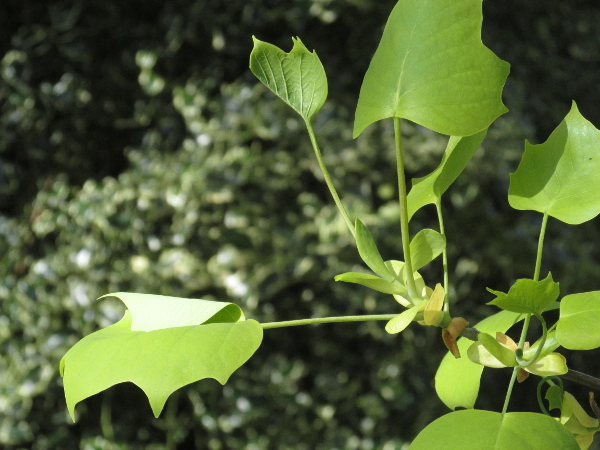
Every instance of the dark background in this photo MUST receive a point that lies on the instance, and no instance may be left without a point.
(138, 153)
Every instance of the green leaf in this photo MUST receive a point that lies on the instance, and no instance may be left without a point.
(402, 320)
(500, 353)
(369, 253)
(554, 395)
(477, 430)
(430, 188)
(158, 361)
(528, 296)
(432, 68)
(550, 345)
(457, 380)
(297, 77)
(425, 247)
(561, 177)
(550, 365)
(396, 268)
(578, 326)
(373, 282)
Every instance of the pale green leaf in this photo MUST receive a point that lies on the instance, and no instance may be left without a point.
(578, 327)
(402, 320)
(373, 282)
(561, 177)
(528, 296)
(430, 188)
(548, 366)
(367, 249)
(432, 68)
(158, 361)
(479, 430)
(457, 380)
(489, 352)
(297, 77)
(550, 345)
(396, 268)
(425, 247)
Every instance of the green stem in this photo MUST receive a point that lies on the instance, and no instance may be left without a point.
(339, 319)
(412, 288)
(538, 259)
(536, 277)
(328, 181)
(438, 207)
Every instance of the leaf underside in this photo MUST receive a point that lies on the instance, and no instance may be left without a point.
(432, 68)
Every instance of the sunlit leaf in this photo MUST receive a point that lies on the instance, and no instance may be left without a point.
(549, 365)
(430, 188)
(373, 282)
(297, 77)
(489, 352)
(402, 320)
(578, 327)
(162, 360)
(457, 380)
(528, 296)
(432, 68)
(425, 247)
(561, 177)
(477, 430)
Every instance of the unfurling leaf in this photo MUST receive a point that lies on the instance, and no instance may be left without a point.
(433, 314)
(209, 340)
(369, 253)
(432, 68)
(297, 77)
(561, 177)
(578, 422)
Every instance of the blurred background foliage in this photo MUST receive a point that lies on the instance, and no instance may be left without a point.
(138, 153)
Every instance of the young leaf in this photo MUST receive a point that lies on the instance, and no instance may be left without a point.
(160, 360)
(475, 430)
(457, 380)
(550, 345)
(297, 77)
(433, 314)
(528, 296)
(561, 176)
(402, 320)
(550, 365)
(430, 188)
(373, 282)
(425, 247)
(396, 268)
(503, 355)
(578, 327)
(432, 68)
(369, 253)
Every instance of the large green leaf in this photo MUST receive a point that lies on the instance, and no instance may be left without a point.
(297, 77)
(425, 247)
(528, 296)
(478, 430)
(561, 177)
(432, 68)
(161, 360)
(457, 380)
(578, 327)
(430, 188)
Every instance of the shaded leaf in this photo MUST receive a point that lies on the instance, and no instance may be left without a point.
(578, 326)
(432, 68)
(528, 296)
(425, 247)
(561, 177)
(297, 77)
(369, 253)
(373, 282)
(476, 430)
(457, 380)
(430, 188)
(554, 395)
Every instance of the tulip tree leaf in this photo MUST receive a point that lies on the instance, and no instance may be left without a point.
(432, 68)
(457, 380)
(578, 327)
(373, 282)
(475, 429)
(297, 77)
(369, 252)
(561, 177)
(528, 296)
(430, 188)
(402, 320)
(425, 247)
(160, 360)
